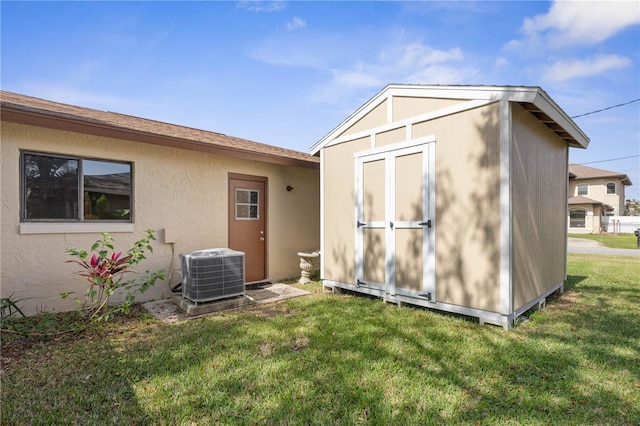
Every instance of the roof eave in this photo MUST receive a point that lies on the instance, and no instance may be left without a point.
(41, 118)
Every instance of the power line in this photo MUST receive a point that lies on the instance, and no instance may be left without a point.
(604, 109)
(604, 161)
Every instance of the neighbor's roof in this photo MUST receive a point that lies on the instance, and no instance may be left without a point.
(533, 99)
(38, 112)
(577, 171)
(580, 199)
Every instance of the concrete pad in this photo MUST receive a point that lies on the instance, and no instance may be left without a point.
(177, 308)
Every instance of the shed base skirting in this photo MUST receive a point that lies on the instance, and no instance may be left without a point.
(484, 317)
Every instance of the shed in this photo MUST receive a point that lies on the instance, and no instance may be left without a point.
(449, 197)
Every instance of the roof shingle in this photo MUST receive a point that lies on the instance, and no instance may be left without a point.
(29, 110)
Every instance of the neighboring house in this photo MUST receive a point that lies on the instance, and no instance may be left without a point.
(593, 195)
(69, 173)
(449, 197)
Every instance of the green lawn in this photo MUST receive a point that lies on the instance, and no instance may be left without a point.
(624, 241)
(336, 359)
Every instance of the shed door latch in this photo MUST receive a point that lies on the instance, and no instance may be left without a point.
(427, 223)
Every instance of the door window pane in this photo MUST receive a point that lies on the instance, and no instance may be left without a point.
(247, 202)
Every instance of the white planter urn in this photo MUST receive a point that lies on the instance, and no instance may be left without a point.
(307, 265)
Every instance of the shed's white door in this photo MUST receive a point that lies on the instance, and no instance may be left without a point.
(395, 221)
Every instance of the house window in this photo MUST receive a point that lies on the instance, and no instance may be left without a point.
(246, 204)
(63, 188)
(611, 187)
(583, 189)
(577, 219)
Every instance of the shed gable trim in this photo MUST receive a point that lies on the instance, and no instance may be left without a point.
(541, 106)
(443, 112)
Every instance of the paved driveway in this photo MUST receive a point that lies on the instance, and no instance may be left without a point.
(582, 245)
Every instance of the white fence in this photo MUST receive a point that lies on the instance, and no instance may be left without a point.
(620, 224)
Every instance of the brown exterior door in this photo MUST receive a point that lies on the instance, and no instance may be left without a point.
(247, 223)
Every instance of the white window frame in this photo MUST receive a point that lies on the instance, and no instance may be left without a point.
(67, 225)
(582, 185)
(615, 188)
(585, 218)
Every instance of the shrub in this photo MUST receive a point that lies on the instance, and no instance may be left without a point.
(105, 271)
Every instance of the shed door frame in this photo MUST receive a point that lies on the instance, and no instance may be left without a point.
(389, 154)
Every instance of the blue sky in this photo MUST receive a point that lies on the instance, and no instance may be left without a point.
(286, 73)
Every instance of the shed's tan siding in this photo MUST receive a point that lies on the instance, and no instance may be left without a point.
(539, 200)
(391, 136)
(181, 191)
(407, 107)
(375, 118)
(339, 210)
(467, 206)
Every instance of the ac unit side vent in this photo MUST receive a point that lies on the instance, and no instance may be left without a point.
(212, 274)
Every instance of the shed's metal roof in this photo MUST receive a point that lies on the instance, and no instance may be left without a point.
(39, 112)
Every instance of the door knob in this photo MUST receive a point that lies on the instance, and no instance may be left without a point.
(261, 238)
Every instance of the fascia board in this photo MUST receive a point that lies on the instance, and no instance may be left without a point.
(553, 110)
(357, 115)
(495, 93)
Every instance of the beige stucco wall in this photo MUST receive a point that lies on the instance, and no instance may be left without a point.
(592, 219)
(538, 185)
(467, 206)
(183, 192)
(597, 190)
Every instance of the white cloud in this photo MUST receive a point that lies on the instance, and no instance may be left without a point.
(262, 6)
(409, 63)
(352, 79)
(353, 64)
(296, 23)
(500, 62)
(419, 55)
(581, 22)
(569, 69)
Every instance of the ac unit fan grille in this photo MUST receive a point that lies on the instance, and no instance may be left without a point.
(212, 274)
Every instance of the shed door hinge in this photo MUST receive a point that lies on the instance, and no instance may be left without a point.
(427, 223)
